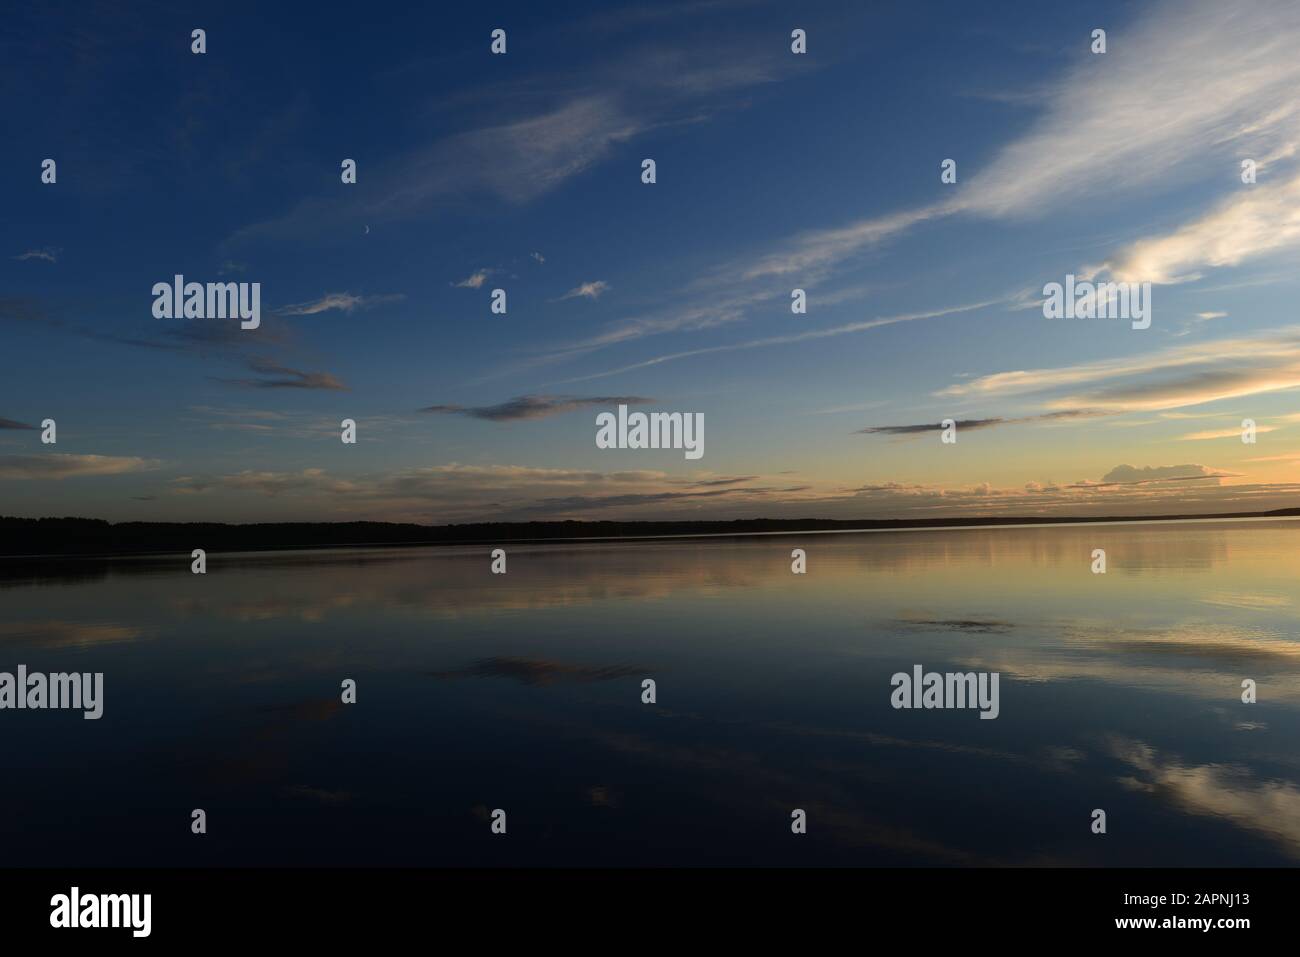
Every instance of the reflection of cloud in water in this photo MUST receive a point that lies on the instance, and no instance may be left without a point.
(317, 795)
(906, 568)
(533, 671)
(965, 625)
(1270, 808)
(65, 634)
(1225, 644)
(1247, 602)
(1197, 659)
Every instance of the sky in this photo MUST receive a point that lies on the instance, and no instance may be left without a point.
(774, 171)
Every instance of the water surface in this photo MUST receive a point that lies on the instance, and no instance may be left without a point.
(523, 692)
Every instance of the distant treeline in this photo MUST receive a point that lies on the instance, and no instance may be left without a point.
(88, 536)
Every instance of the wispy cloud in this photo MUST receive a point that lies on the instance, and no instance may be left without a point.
(58, 467)
(338, 301)
(1183, 76)
(589, 290)
(474, 280)
(966, 425)
(1260, 220)
(812, 254)
(518, 159)
(11, 424)
(1223, 433)
(283, 377)
(1166, 379)
(48, 254)
(847, 329)
(535, 406)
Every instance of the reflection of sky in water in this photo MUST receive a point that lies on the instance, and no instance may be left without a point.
(523, 692)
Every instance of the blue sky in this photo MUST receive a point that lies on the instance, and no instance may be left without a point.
(775, 171)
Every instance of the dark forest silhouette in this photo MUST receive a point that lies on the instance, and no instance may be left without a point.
(87, 536)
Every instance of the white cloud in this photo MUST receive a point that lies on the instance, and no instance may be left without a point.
(1260, 220)
(337, 301)
(1223, 433)
(1168, 379)
(846, 329)
(48, 254)
(589, 290)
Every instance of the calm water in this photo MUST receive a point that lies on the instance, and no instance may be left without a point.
(523, 692)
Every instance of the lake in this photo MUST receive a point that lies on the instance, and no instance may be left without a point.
(523, 692)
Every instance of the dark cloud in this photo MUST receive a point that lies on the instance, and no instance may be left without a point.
(283, 377)
(710, 483)
(11, 424)
(535, 406)
(179, 336)
(962, 425)
(969, 424)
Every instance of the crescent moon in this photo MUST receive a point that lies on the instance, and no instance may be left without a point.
(367, 230)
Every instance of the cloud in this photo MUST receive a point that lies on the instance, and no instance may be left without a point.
(538, 256)
(591, 290)
(202, 337)
(338, 301)
(474, 280)
(1188, 85)
(963, 425)
(1170, 378)
(1260, 220)
(283, 377)
(1222, 433)
(969, 424)
(459, 493)
(11, 424)
(720, 309)
(535, 406)
(812, 334)
(811, 254)
(584, 115)
(48, 254)
(58, 467)
(1186, 90)
(268, 483)
(516, 161)
(712, 483)
(1131, 475)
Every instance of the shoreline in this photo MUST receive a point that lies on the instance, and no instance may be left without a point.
(144, 540)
